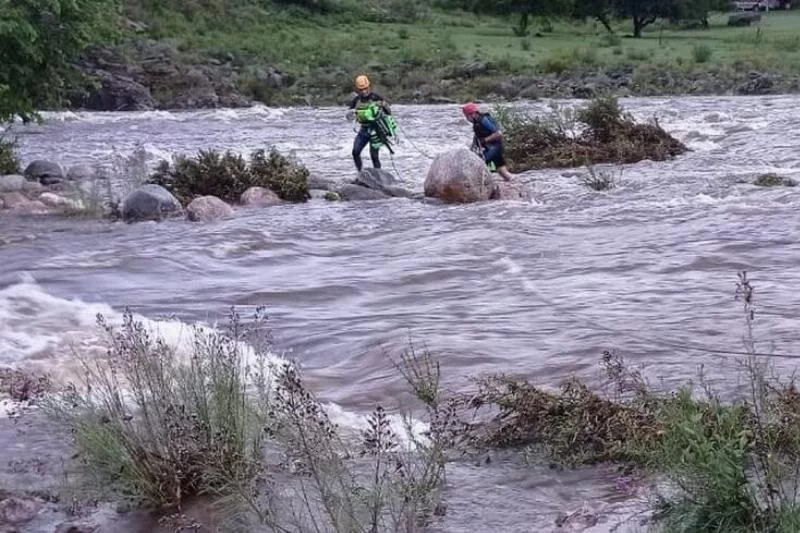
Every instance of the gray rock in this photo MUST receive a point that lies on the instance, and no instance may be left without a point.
(459, 176)
(150, 202)
(375, 179)
(317, 194)
(18, 511)
(207, 208)
(399, 192)
(260, 197)
(81, 173)
(45, 172)
(12, 183)
(32, 186)
(331, 196)
(31, 207)
(317, 182)
(354, 192)
(118, 93)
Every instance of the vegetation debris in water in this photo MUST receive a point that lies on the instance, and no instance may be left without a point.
(598, 133)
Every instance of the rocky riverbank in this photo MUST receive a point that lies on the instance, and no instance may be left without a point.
(152, 74)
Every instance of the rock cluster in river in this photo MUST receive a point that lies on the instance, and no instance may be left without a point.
(45, 188)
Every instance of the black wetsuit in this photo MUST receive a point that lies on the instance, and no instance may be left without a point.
(364, 134)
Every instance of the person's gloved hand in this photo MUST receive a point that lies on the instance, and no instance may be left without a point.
(351, 115)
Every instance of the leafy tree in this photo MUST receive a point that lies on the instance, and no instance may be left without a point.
(643, 12)
(39, 40)
(602, 10)
(525, 9)
(695, 9)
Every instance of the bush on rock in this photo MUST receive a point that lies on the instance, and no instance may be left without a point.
(228, 175)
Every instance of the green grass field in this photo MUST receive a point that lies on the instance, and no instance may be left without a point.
(321, 51)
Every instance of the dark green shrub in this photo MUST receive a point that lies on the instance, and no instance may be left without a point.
(276, 172)
(9, 162)
(228, 175)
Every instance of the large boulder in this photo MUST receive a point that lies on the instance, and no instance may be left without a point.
(357, 192)
(259, 197)
(150, 202)
(206, 208)
(12, 183)
(459, 176)
(45, 172)
(118, 93)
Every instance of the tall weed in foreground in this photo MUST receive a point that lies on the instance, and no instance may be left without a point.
(161, 430)
(228, 424)
(736, 467)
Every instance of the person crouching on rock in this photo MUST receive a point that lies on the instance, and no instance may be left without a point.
(488, 139)
(363, 104)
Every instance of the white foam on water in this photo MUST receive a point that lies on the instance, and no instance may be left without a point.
(47, 334)
(408, 431)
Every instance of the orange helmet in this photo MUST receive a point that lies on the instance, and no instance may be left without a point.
(362, 82)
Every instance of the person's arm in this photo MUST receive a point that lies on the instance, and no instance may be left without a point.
(382, 102)
(491, 125)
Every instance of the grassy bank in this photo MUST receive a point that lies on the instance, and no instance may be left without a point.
(415, 52)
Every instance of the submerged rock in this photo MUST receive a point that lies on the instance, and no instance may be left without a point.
(331, 196)
(504, 190)
(459, 176)
(84, 526)
(206, 208)
(150, 202)
(260, 197)
(45, 172)
(314, 181)
(774, 180)
(354, 192)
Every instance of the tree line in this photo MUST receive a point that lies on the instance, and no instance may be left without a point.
(641, 13)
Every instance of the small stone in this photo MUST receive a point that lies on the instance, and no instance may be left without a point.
(207, 208)
(18, 511)
(259, 197)
(77, 527)
(331, 196)
(13, 200)
(54, 200)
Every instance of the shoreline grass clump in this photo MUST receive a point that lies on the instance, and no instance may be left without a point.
(598, 133)
(228, 424)
(228, 175)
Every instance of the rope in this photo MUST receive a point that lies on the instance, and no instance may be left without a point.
(413, 145)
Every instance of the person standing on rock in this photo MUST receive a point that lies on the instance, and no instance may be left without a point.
(362, 106)
(488, 139)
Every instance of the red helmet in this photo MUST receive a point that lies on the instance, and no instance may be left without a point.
(470, 108)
